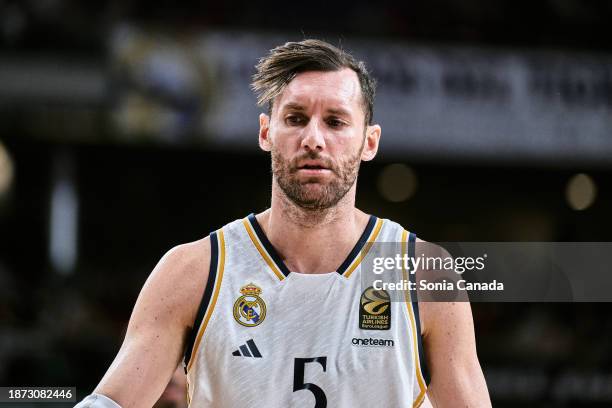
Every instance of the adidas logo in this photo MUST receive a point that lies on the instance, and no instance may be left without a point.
(248, 350)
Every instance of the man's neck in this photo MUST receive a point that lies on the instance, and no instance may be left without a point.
(312, 241)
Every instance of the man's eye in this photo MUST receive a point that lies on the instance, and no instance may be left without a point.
(335, 123)
(294, 120)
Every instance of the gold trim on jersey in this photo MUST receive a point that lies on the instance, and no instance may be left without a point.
(213, 301)
(262, 251)
(366, 248)
(415, 350)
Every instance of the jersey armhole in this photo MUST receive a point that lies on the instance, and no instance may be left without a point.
(415, 308)
(206, 297)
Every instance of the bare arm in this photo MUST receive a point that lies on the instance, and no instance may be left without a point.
(450, 349)
(448, 339)
(158, 328)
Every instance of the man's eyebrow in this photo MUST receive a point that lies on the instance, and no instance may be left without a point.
(339, 112)
(293, 106)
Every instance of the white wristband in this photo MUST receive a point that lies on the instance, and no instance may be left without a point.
(97, 401)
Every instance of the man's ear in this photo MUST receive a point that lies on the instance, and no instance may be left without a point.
(264, 132)
(372, 139)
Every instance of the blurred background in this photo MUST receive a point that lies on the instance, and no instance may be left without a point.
(128, 127)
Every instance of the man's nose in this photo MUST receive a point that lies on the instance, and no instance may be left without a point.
(314, 136)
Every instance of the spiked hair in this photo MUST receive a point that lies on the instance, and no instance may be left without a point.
(284, 62)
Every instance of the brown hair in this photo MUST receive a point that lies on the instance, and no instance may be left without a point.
(284, 62)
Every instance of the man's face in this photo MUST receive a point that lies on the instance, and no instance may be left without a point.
(316, 136)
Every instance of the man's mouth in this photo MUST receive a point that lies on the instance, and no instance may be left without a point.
(313, 170)
(312, 167)
(313, 164)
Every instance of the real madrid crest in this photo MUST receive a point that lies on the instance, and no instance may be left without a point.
(250, 309)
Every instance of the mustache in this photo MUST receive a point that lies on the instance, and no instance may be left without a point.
(312, 155)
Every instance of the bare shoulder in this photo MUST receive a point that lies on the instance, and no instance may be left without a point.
(181, 275)
(435, 315)
(188, 258)
(429, 248)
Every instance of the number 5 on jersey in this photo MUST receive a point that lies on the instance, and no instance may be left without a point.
(298, 379)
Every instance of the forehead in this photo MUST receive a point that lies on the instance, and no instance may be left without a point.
(330, 89)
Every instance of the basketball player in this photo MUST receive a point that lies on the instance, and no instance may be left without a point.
(269, 311)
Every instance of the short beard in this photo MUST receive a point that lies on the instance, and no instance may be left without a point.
(329, 194)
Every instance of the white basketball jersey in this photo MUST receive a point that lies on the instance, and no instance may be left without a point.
(268, 337)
